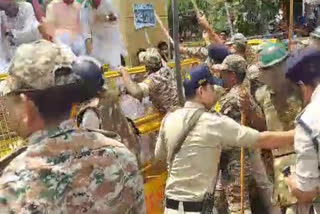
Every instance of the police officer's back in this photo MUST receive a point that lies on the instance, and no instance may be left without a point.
(303, 69)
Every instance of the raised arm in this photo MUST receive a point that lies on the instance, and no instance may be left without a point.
(205, 24)
(133, 88)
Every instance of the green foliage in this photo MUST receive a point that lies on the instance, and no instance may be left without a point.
(250, 17)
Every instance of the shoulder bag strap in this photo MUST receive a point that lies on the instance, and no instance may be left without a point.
(185, 132)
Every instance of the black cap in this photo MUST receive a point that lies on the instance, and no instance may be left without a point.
(303, 66)
(197, 77)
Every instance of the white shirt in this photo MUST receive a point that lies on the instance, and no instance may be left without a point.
(4, 64)
(24, 28)
(195, 166)
(108, 43)
(307, 165)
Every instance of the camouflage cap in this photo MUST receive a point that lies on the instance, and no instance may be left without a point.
(237, 38)
(151, 58)
(35, 65)
(234, 63)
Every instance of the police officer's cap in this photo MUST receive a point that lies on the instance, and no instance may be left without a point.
(197, 77)
(304, 66)
(218, 52)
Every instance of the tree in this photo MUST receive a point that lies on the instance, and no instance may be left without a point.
(250, 17)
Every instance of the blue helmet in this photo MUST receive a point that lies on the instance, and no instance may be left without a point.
(218, 53)
(91, 72)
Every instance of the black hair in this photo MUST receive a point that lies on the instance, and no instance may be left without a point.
(56, 102)
(162, 43)
(123, 61)
(241, 77)
(191, 94)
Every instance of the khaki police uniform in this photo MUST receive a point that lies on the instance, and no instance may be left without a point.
(195, 167)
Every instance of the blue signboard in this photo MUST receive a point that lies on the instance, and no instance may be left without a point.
(144, 16)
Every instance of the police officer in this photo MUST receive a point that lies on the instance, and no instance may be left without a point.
(160, 85)
(213, 54)
(190, 141)
(239, 45)
(281, 103)
(64, 169)
(305, 183)
(104, 111)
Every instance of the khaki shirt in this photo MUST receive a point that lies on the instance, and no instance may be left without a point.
(307, 165)
(195, 166)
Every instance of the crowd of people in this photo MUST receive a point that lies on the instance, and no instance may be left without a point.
(90, 162)
(88, 27)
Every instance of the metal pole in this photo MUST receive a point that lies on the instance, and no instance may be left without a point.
(175, 12)
(291, 25)
(242, 159)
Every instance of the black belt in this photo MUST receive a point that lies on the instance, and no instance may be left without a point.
(187, 206)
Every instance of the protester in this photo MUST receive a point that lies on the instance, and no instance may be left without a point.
(63, 23)
(18, 26)
(159, 85)
(101, 25)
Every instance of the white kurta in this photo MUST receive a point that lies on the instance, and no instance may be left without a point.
(23, 27)
(3, 56)
(66, 31)
(108, 43)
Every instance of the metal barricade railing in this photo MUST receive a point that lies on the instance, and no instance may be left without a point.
(9, 140)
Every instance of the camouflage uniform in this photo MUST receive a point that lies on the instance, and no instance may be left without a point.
(160, 85)
(65, 169)
(258, 91)
(250, 55)
(239, 41)
(200, 53)
(107, 110)
(230, 158)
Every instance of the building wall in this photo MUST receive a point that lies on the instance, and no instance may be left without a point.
(136, 39)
